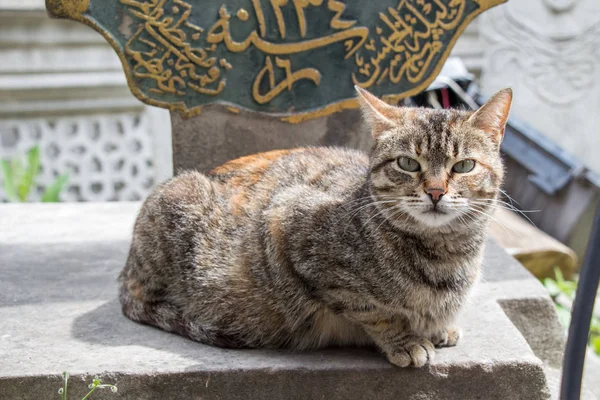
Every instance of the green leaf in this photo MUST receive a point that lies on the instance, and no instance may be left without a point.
(564, 315)
(17, 169)
(52, 193)
(9, 181)
(31, 172)
(552, 287)
(595, 326)
(596, 345)
(559, 276)
(568, 288)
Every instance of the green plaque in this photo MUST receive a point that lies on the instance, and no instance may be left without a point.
(297, 59)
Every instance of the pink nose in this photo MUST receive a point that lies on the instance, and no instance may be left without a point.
(435, 194)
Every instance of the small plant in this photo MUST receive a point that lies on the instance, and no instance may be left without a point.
(96, 384)
(19, 179)
(563, 294)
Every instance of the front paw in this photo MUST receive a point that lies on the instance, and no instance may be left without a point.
(414, 351)
(447, 337)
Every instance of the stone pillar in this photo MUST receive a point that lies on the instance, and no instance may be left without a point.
(548, 51)
(217, 135)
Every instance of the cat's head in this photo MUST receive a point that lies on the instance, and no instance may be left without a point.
(436, 167)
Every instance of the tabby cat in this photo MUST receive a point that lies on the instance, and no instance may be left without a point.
(317, 247)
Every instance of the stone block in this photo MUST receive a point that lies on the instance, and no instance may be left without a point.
(214, 137)
(59, 312)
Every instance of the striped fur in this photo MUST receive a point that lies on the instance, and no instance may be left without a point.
(317, 247)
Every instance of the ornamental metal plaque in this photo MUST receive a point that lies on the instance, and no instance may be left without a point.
(298, 59)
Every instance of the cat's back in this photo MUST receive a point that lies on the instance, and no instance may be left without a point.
(259, 176)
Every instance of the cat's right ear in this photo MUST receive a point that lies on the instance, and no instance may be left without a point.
(379, 115)
(493, 115)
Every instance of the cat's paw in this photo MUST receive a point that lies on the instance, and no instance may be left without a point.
(416, 352)
(447, 337)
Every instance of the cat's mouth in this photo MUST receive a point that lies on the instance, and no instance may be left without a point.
(434, 216)
(435, 211)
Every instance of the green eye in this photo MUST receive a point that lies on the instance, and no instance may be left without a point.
(408, 164)
(464, 166)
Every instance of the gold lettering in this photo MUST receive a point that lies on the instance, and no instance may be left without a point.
(242, 14)
(212, 92)
(260, 17)
(300, 5)
(408, 50)
(455, 14)
(219, 32)
(287, 83)
(167, 38)
(336, 22)
(403, 44)
(277, 4)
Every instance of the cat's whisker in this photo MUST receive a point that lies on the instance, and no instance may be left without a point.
(490, 216)
(496, 201)
(493, 201)
(508, 197)
(360, 201)
(495, 205)
(361, 206)
(468, 218)
(396, 212)
(508, 204)
(374, 216)
(355, 211)
(514, 209)
(364, 201)
(461, 219)
(369, 197)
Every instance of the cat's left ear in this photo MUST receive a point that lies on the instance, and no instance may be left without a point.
(492, 116)
(379, 115)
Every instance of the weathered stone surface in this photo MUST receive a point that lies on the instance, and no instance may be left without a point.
(214, 137)
(59, 311)
(537, 251)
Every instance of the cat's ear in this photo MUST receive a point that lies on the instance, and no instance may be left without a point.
(379, 115)
(492, 116)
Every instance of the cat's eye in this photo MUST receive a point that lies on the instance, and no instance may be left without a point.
(464, 166)
(409, 164)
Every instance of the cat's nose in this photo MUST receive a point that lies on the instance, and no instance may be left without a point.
(435, 194)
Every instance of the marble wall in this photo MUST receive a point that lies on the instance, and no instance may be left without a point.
(548, 51)
(62, 87)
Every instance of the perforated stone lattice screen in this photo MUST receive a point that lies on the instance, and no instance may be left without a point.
(108, 157)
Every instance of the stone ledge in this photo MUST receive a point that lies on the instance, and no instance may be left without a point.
(59, 311)
(22, 5)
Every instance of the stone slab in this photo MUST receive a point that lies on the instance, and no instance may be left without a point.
(59, 312)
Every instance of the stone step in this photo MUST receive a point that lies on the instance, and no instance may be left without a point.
(59, 312)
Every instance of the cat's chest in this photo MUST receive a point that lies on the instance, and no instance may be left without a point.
(435, 293)
(427, 310)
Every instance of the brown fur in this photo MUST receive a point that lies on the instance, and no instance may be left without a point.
(316, 247)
